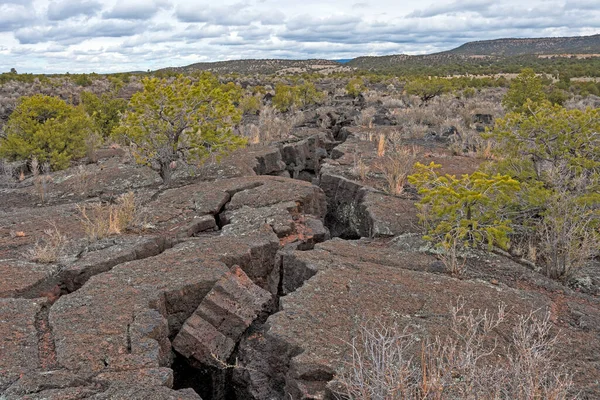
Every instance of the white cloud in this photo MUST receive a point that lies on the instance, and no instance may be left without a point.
(121, 35)
(137, 10)
(60, 10)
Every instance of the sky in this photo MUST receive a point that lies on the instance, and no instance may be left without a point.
(102, 36)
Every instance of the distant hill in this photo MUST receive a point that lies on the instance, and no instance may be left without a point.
(517, 47)
(579, 53)
(268, 66)
(494, 56)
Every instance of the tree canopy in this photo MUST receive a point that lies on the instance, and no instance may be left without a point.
(181, 118)
(47, 128)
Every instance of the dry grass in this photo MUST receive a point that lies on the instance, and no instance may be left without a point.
(100, 220)
(360, 169)
(381, 145)
(92, 142)
(84, 180)
(272, 126)
(389, 363)
(50, 248)
(567, 239)
(396, 167)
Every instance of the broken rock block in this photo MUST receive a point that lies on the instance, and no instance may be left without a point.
(209, 336)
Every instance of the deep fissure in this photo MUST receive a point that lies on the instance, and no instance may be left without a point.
(217, 383)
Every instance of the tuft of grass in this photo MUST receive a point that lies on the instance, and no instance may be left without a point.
(101, 221)
(396, 167)
(50, 248)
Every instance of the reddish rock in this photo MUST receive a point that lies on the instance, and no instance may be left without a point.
(300, 348)
(211, 333)
(19, 352)
(26, 279)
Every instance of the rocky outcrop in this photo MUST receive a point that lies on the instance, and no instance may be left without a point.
(300, 348)
(131, 296)
(234, 288)
(210, 335)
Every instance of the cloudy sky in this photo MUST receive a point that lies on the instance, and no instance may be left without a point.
(56, 36)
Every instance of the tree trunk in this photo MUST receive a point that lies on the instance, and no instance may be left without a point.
(165, 172)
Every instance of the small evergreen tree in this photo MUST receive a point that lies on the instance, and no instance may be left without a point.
(174, 119)
(465, 211)
(526, 86)
(105, 110)
(47, 128)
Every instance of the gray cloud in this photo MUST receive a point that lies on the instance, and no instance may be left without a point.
(13, 16)
(61, 10)
(451, 8)
(132, 10)
(236, 14)
(72, 34)
(118, 35)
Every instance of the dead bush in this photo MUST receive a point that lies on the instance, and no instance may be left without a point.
(41, 177)
(392, 102)
(275, 126)
(50, 248)
(360, 169)
(389, 363)
(84, 180)
(567, 238)
(101, 220)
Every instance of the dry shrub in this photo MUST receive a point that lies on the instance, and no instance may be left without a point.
(7, 172)
(381, 145)
(84, 180)
(581, 102)
(250, 132)
(360, 169)
(567, 238)
(50, 248)
(92, 142)
(389, 363)
(392, 102)
(396, 167)
(100, 220)
(365, 118)
(41, 177)
(275, 126)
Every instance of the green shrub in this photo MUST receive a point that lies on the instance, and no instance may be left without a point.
(465, 211)
(427, 89)
(355, 86)
(288, 97)
(526, 86)
(250, 104)
(104, 110)
(47, 128)
(181, 118)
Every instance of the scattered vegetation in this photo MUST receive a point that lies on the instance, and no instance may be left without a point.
(294, 97)
(396, 167)
(105, 110)
(464, 212)
(427, 89)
